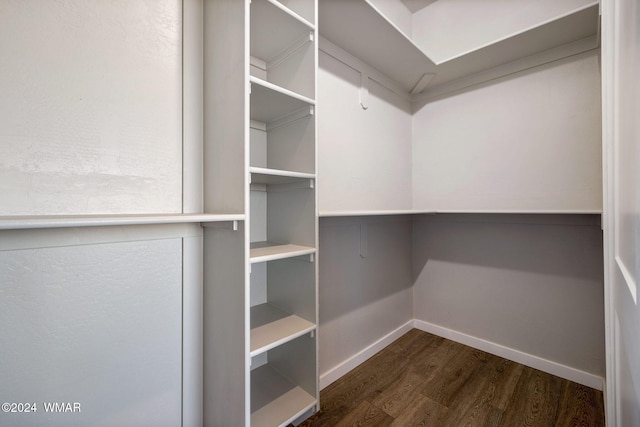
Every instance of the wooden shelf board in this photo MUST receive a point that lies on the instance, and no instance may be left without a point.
(275, 176)
(267, 251)
(274, 27)
(61, 221)
(271, 327)
(275, 401)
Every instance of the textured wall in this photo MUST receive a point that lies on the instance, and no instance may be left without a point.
(91, 107)
(97, 324)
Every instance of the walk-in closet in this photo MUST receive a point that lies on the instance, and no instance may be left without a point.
(211, 210)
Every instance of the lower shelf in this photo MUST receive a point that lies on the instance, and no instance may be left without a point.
(268, 251)
(271, 327)
(275, 401)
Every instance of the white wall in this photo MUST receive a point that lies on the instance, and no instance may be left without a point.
(530, 141)
(91, 107)
(449, 28)
(532, 283)
(365, 284)
(363, 155)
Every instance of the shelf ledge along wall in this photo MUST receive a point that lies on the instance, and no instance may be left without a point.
(260, 132)
(101, 177)
(494, 149)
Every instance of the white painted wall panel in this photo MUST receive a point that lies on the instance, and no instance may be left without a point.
(530, 283)
(530, 141)
(449, 28)
(364, 156)
(362, 298)
(98, 324)
(91, 107)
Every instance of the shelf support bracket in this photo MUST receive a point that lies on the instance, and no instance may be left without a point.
(364, 91)
(422, 83)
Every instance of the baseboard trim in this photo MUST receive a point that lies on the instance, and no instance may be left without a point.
(352, 362)
(557, 369)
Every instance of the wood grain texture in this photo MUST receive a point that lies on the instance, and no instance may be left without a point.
(424, 380)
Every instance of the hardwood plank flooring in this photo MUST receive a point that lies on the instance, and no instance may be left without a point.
(425, 380)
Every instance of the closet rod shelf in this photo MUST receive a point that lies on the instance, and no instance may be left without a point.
(62, 221)
(330, 214)
(382, 45)
(271, 327)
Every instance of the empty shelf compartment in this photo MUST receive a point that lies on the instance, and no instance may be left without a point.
(271, 327)
(276, 401)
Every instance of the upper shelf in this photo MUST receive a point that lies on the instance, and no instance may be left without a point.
(374, 40)
(379, 43)
(62, 221)
(578, 25)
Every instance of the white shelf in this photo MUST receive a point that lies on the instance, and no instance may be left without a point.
(61, 221)
(572, 27)
(275, 176)
(271, 327)
(462, 211)
(274, 27)
(275, 401)
(379, 43)
(373, 212)
(267, 251)
(358, 28)
(270, 102)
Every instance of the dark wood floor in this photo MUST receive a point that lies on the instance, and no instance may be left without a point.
(424, 380)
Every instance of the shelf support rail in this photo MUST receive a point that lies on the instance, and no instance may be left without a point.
(301, 113)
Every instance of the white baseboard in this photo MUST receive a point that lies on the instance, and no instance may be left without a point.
(562, 371)
(341, 369)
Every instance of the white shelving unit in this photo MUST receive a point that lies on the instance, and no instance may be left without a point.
(381, 44)
(263, 123)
